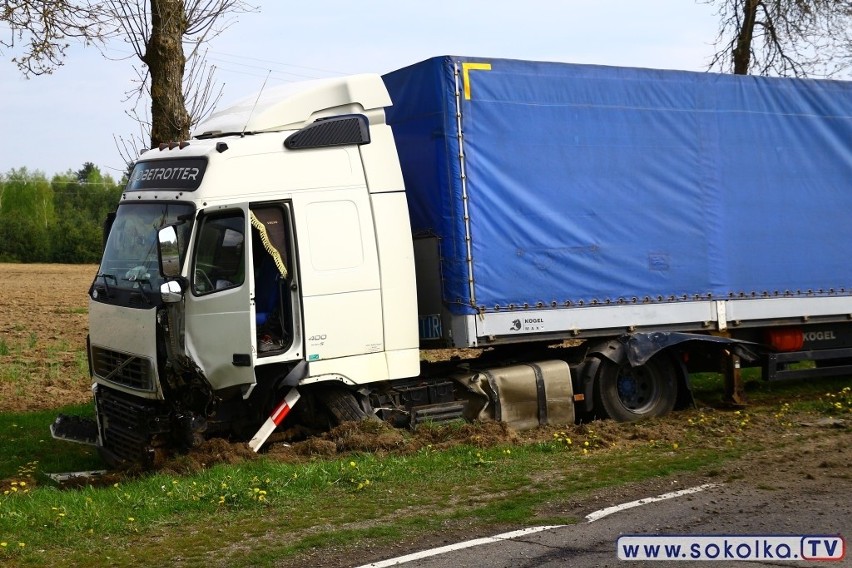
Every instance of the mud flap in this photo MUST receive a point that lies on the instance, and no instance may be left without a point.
(525, 396)
(76, 429)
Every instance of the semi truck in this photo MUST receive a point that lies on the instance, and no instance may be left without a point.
(582, 238)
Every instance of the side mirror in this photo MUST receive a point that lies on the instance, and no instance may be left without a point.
(168, 252)
(171, 292)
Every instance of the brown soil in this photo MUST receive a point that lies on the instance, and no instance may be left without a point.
(705, 427)
(43, 311)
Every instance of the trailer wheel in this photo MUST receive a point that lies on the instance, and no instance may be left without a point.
(343, 405)
(628, 394)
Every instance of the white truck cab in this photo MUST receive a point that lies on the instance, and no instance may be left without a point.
(292, 249)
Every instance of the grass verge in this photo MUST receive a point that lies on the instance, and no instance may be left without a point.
(290, 506)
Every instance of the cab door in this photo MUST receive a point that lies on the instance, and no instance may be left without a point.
(219, 312)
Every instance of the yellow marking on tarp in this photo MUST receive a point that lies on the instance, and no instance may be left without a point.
(466, 69)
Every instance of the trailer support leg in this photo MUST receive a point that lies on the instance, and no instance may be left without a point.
(734, 390)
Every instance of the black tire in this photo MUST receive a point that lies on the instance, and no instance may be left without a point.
(343, 405)
(628, 394)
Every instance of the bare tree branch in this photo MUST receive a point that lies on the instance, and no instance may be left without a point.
(200, 87)
(167, 36)
(42, 30)
(783, 37)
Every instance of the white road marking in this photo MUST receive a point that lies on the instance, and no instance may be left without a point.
(591, 517)
(458, 546)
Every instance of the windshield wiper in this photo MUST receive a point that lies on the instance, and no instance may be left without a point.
(104, 276)
(140, 276)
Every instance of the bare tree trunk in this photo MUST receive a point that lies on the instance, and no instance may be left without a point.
(742, 51)
(165, 59)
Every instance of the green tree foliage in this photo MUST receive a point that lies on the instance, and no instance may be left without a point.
(54, 221)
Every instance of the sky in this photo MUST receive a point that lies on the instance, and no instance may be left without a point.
(58, 122)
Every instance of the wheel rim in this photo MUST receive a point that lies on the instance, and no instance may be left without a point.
(638, 389)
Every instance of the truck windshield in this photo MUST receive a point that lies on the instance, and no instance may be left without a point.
(130, 255)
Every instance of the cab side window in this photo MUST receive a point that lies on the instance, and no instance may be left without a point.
(219, 253)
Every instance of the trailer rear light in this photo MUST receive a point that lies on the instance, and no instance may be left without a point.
(786, 339)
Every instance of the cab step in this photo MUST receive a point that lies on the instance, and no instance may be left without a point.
(76, 429)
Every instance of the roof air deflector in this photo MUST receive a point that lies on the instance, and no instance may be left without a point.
(334, 131)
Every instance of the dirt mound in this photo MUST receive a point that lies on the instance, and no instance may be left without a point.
(373, 436)
(209, 453)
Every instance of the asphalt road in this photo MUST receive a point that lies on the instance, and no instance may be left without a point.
(793, 498)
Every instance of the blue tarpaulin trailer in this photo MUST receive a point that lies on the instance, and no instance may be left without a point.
(599, 233)
(668, 197)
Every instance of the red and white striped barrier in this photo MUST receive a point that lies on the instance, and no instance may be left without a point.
(277, 417)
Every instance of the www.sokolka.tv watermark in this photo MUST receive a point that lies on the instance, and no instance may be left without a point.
(732, 547)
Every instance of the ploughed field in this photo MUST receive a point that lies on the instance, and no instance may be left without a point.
(43, 326)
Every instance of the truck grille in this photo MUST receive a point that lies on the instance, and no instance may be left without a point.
(129, 425)
(122, 369)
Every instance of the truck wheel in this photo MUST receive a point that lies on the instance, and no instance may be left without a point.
(343, 405)
(628, 394)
